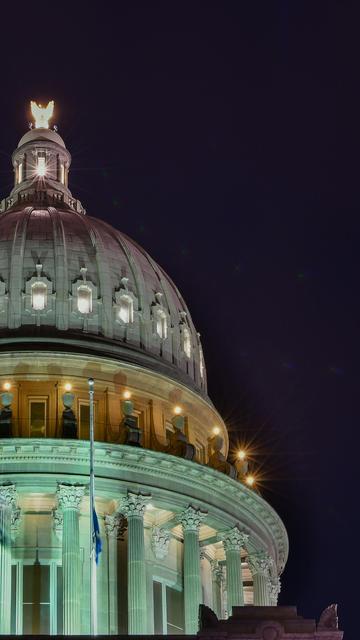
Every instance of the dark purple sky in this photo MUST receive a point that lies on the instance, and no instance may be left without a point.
(224, 137)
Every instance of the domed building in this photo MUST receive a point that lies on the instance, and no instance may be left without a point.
(179, 524)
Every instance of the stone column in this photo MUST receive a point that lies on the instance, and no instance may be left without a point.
(190, 521)
(9, 516)
(69, 499)
(233, 541)
(133, 508)
(115, 526)
(260, 564)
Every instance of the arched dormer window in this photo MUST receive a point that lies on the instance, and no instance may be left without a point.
(126, 309)
(39, 296)
(186, 341)
(161, 323)
(84, 299)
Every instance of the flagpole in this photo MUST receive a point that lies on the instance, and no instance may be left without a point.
(93, 595)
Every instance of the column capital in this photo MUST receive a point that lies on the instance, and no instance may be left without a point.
(274, 590)
(8, 499)
(234, 539)
(70, 495)
(160, 540)
(134, 505)
(260, 562)
(115, 525)
(8, 496)
(191, 518)
(217, 569)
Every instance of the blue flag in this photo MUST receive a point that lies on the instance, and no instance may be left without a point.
(97, 539)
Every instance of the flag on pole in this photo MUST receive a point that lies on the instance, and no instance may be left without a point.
(97, 544)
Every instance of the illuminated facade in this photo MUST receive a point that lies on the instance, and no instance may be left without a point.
(179, 524)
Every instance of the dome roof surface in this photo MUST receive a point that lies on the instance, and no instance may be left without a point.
(48, 135)
(65, 250)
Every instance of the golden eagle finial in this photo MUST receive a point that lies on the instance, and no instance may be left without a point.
(42, 115)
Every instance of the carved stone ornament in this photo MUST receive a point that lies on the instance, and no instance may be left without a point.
(328, 619)
(58, 521)
(134, 505)
(160, 540)
(217, 571)
(234, 540)
(191, 518)
(260, 563)
(70, 495)
(8, 495)
(115, 525)
(274, 590)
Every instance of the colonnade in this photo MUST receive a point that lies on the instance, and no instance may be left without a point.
(131, 512)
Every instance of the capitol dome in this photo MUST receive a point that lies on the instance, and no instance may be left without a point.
(95, 337)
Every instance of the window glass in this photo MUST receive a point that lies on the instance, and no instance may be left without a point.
(36, 599)
(126, 311)
(84, 420)
(161, 324)
(59, 599)
(37, 418)
(84, 299)
(62, 174)
(174, 611)
(158, 611)
(41, 164)
(20, 172)
(201, 363)
(38, 296)
(187, 341)
(13, 599)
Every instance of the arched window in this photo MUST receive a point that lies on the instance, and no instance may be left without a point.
(38, 296)
(187, 341)
(126, 309)
(161, 324)
(84, 299)
(20, 172)
(202, 365)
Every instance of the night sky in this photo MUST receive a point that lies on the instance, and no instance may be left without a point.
(224, 138)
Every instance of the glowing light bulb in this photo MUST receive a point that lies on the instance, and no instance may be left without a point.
(7, 386)
(250, 481)
(177, 410)
(241, 454)
(68, 386)
(126, 395)
(216, 431)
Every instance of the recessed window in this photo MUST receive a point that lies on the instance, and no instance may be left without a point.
(41, 164)
(37, 417)
(200, 452)
(161, 323)
(187, 341)
(202, 365)
(20, 172)
(126, 309)
(62, 174)
(84, 299)
(38, 296)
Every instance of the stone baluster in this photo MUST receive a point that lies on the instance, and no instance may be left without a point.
(69, 500)
(9, 518)
(133, 508)
(233, 541)
(260, 564)
(190, 520)
(115, 527)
